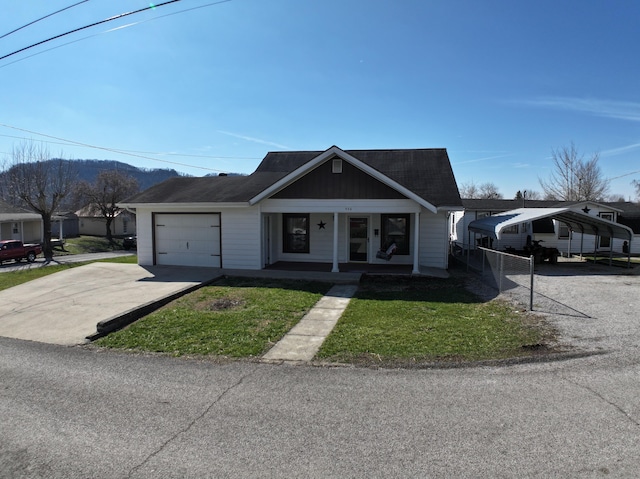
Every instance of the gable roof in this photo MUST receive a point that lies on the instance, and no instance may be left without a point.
(424, 175)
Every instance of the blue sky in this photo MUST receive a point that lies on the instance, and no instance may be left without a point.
(500, 84)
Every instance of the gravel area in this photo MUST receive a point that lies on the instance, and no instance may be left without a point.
(593, 307)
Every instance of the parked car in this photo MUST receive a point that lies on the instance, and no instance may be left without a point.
(130, 242)
(17, 251)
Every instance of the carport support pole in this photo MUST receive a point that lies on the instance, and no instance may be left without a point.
(334, 268)
(531, 273)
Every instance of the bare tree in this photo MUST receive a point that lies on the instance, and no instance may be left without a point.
(489, 191)
(468, 190)
(574, 178)
(485, 191)
(39, 183)
(109, 188)
(527, 195)
(636, 185)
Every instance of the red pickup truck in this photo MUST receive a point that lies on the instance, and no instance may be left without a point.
(16, 250)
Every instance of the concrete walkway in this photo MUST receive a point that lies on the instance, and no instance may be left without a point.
(304, 340)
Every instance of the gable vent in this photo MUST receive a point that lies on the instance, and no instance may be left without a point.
(336, 166)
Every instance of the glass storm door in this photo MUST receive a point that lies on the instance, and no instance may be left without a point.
(358, 240)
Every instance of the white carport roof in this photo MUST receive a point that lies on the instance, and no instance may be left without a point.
(492, 226)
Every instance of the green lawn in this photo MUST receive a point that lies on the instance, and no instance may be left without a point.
(233, 317)
(412, 322)
(88, 244)
(390, 322)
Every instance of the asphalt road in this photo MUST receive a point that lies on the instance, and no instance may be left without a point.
(69, 412)
(73, 412)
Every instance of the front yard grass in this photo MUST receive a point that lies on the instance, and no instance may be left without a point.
(390, 322)
(407, 322)
(234, 317)
(88, 244)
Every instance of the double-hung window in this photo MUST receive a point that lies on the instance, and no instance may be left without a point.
(295, 233)
(395, 228)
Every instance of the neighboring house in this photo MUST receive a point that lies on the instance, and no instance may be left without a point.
(92, 223)
(19, 224)
(328, 207)
(553, 233)
(66, 225)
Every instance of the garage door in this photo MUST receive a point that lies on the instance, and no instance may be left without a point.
(187, 239)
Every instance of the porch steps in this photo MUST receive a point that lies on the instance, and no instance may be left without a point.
(304, 340)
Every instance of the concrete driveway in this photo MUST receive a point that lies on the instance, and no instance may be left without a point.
(64, 308)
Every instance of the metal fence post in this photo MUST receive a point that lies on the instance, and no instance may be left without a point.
(531, 268)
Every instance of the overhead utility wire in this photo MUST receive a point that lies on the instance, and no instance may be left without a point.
(42, 18)
(213, 157)
(114, 29)
(122, 15)
(122, 152)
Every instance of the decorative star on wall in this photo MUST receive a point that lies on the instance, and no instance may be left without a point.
(321, 225)
(586, 209)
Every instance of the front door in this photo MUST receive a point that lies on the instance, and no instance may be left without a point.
(358, 239)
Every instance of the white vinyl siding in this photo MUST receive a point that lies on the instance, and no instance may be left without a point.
(434, 240)
(241, 238)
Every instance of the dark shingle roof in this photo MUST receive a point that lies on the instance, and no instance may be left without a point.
(484, 204)
(425, 172)
(208, 189)
(7, 209)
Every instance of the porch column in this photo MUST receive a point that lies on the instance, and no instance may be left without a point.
(416, 244)
(334, 268)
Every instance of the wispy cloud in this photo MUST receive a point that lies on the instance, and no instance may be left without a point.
(622, 110)
(477, 160)
(254, 140)
(620, 150)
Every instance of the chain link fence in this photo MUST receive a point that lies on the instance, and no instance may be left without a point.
(508, 273)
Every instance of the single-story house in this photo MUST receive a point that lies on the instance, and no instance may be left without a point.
(66, 225)
(92, 223)
(19, 224)
(552, 231)
(326, 207)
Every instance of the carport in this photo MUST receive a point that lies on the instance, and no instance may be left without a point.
(493, 226)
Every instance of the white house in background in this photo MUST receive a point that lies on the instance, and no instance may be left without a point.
(19, 224)
(92, 223)
(552, 232)
(325, 207)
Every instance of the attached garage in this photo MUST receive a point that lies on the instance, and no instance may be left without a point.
(187, 239)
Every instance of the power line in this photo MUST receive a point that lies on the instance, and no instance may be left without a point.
(42, 18)
(115, 17)
(626, 174)
(160, 153)
(116, 28)
(113, 150)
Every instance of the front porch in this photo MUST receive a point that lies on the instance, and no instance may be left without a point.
(358, 268)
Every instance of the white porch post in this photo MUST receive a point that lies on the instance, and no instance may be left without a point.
(416, 244)
(334, 268)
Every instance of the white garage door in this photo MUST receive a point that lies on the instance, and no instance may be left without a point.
(188, 239)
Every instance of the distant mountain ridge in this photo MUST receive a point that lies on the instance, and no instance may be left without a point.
(88, 171)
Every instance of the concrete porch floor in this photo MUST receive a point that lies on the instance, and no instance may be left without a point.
(352, 269)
